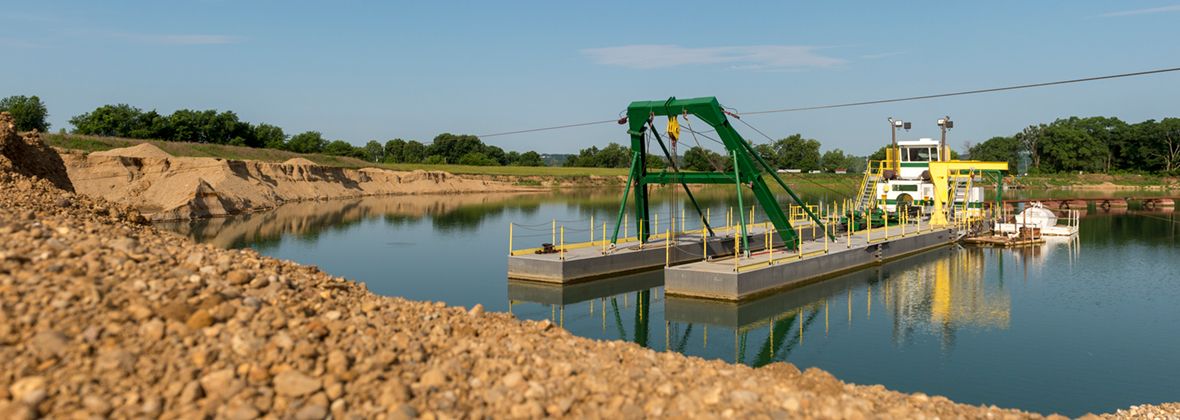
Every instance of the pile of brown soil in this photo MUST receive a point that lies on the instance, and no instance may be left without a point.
(163, 187)
(27, 155)
(142, 150)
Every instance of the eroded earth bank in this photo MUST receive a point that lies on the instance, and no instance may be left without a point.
(165, 187)
(102, 316)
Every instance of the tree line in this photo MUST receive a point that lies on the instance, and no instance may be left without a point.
(224, 127)
(792, 152)
(1093, 144)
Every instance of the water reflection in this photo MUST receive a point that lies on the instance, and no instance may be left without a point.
(1068, 326)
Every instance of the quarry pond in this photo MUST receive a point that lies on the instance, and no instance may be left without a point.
(1077, 325)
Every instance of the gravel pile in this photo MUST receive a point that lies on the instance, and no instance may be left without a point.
(101, 316)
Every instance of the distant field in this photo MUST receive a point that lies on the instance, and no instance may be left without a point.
(95, 143)
(175, 148)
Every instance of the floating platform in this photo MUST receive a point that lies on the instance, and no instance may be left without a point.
(766, 272)
(586, 261)
(1004, 241)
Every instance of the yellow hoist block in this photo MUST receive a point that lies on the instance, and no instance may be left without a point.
(673, 127)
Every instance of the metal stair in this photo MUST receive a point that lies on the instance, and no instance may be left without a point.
(866, 200)
(960, 191)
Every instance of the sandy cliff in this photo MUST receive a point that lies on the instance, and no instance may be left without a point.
(164, 187)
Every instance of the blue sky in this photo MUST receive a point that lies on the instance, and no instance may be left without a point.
(359, 70)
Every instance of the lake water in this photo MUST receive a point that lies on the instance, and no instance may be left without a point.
(1090, 324)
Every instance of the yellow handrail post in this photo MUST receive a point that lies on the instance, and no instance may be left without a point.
(509, 239)
(885, 215)
(769, 248)
(869, 231)
(638, 235)
(668, 247)
(799, 245)
(737, 250)
(626, 224)
(826, 227)
(704, 243)
(849, 234)
(769, 241)
(708, 217)
(562, 249)
(604, 238)
(655, 224)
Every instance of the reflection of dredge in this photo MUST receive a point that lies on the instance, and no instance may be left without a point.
(610, 296)
(935, 292)
(943, 295)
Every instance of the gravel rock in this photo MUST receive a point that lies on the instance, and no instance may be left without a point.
(30, 390)
(295, 384)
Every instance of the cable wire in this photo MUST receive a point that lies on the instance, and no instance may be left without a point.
(967, 92)
(557, 127)
(878, 101)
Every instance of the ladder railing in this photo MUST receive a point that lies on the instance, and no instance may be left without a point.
(868, 186)
(960, 192)
(967, 191)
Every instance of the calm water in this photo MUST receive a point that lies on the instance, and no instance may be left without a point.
(1074, 326)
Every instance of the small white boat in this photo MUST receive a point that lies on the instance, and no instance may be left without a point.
(1039, 217)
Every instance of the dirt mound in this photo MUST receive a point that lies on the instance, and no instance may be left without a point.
(28, 156)
(142, 150)
(180, 188)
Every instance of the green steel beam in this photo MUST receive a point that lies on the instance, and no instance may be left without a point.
(708, 110)
(689, 178)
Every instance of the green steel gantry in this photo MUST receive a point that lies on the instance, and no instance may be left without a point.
(748, 167)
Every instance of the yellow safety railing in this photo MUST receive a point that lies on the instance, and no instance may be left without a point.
(797, 217)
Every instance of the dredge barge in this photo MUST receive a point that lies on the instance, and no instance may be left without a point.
(915, 200)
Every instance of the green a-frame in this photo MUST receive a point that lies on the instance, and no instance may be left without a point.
(748, 167)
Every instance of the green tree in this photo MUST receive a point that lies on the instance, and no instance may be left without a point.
(393, 150)
(998, 149)
(1066, 146)
(270, 136)
(108, 120)
(795, 152)
(434, 160)
(150, 125)
(28, 112)
(478, 159)
(339, 148)
(374, 152)
(696, 158)
(1030, 138)
(529, 158)
(834, 159)
(1160, 143)
(768, 154)
(307, 142)
(452, 147)
(413, 152)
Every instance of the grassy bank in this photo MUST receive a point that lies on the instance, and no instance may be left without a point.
(1074, 180)
(95, 144)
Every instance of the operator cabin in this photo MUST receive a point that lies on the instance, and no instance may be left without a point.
(910, 186)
